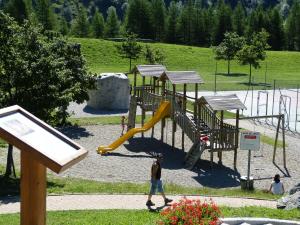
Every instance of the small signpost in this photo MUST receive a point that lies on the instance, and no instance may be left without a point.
(249, 141)
(41, 147)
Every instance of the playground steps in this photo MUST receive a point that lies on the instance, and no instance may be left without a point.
(132, 112)
(194, 154)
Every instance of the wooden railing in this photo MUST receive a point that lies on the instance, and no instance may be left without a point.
(186, 124)
(138, 91)
(222, 139)
(150, 101)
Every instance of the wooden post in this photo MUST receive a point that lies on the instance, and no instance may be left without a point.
(237, 118)
(143, 109)
(183, 109)
(153, 87)
(212, 143)
(33, 191)
(221, 137)
(173, 116)
(134, 84)
(283, 141)
(163, 121)
(276, 137)
(195, 103)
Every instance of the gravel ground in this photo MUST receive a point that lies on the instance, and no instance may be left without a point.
(131, 162)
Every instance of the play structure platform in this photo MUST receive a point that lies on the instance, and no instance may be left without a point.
(200, 119)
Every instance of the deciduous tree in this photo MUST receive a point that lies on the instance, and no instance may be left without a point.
(254, 51)
(228, 48)
(130, 48)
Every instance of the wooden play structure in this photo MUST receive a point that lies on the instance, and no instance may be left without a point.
(200, 119)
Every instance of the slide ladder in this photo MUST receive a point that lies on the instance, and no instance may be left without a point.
(161, 112)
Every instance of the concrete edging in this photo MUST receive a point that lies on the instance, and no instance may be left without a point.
(257, 221)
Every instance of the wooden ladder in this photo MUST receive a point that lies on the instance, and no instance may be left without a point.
(194, 154)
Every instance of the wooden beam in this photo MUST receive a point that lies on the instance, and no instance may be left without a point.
(33, 191)
(258, 117)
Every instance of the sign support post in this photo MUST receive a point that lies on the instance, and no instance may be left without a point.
(33, 191)
(248, 173)
(249, 141)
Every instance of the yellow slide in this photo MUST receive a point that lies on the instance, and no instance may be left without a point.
(162, 111)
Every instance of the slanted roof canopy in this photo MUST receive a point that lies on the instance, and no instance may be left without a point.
(221, 102)
(150, 70)
(182, 77)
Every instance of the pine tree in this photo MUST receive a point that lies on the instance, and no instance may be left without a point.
(98, 24)
(63, 26)
(293, 28)
(112, 26)
(171, 31)
(17, 9)
(186, 22)
(138, 18)
(238, 19)
(81, 23)
(45, 14)
(276, 32)
(199, 36)
(223, 21)
(158, 18)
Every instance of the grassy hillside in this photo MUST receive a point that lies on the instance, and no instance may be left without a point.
(101, 57)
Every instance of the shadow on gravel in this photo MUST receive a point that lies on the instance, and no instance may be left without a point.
(173, 158)
(75, 132)
(219, 176)
(90, 110)
(128, 156)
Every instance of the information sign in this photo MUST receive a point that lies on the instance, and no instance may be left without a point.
(250, 140)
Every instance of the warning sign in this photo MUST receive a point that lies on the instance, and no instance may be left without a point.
(250, 140)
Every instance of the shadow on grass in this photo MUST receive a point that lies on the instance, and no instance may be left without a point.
(232, 74)
(10, 186)
(254, 84)
(90, 110)
(75, 132)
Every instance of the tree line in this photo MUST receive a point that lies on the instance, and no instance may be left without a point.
(189, 22)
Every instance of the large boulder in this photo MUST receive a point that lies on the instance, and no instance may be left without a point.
(113, 92)
(291, 200)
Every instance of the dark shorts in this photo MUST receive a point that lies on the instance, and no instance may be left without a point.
(156, 185)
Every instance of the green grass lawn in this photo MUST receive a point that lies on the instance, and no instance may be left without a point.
(142, 217)
(101, 56)
(59, 185)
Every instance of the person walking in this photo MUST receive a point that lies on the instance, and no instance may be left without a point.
(156, 182)
(276, 187)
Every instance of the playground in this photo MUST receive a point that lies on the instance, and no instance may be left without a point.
(187, 162)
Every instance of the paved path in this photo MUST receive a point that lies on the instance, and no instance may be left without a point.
(85, 202)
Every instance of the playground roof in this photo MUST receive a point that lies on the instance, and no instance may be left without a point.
(221, 102)
(182, 77)
(150, 70)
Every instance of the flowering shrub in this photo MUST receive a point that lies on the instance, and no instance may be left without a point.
(191, 212)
